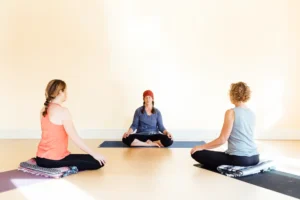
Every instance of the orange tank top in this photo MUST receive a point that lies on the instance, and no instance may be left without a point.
(54, 142)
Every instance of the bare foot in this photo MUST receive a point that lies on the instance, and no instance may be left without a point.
(158, 143)
(152, 144)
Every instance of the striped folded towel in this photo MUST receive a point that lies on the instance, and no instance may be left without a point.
(31, 167)
(240, 171)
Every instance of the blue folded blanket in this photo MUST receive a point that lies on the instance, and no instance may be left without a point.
(239, 171)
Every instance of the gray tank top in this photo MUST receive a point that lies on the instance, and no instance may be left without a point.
(241, 140)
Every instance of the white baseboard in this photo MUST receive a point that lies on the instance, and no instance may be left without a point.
(116, 134)
(20, 134)
(107, 134)
(291, 134)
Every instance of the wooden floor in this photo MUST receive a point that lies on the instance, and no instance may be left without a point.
(145, 174)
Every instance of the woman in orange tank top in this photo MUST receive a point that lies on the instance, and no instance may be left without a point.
(57, 127)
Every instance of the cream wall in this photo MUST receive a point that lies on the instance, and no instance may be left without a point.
(187, 52)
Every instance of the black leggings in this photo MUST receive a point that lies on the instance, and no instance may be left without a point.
(164, 139)
(81, 161)
(213, 159)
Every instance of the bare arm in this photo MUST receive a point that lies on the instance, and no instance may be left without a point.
(71, 131)
(225, 133)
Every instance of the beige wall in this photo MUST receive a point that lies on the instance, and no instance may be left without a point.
(187, 52)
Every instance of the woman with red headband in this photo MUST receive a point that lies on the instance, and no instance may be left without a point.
(148, 124)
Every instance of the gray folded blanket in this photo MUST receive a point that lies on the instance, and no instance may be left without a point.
(239, 171)
(31, 167)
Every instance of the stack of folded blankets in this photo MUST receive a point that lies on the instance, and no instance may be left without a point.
(31, 167)
(239, 171)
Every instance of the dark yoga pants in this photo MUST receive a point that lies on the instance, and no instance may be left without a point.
(164, 139)
(213, 159)
(81, 161)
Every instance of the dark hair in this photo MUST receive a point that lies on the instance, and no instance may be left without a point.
(52, 90)
(153, 109)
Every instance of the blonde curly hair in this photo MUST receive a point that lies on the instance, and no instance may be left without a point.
(239, 92)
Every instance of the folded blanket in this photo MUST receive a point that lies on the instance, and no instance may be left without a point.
(239, 171)
(31, 167)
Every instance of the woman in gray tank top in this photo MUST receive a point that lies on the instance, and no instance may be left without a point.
(238, 130)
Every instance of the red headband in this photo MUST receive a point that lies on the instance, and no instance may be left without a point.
(148, 93)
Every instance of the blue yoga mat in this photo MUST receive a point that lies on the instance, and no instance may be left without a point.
(176, 144)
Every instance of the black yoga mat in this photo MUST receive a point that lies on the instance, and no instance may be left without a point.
(14, 179)
(276, 181)
(176, 144)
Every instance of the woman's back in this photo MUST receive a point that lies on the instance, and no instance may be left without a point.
(54, 142)
(241, 140)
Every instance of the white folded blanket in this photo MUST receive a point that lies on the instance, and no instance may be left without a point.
(240, 171)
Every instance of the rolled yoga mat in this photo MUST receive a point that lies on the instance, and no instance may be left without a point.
(176, 144)
(276, 181)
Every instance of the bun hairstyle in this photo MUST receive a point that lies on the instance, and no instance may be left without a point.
(239, 92)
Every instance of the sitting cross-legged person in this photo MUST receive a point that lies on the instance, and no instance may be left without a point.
(149, 125)
(238, 129)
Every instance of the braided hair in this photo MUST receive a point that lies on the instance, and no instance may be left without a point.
(52, 90)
